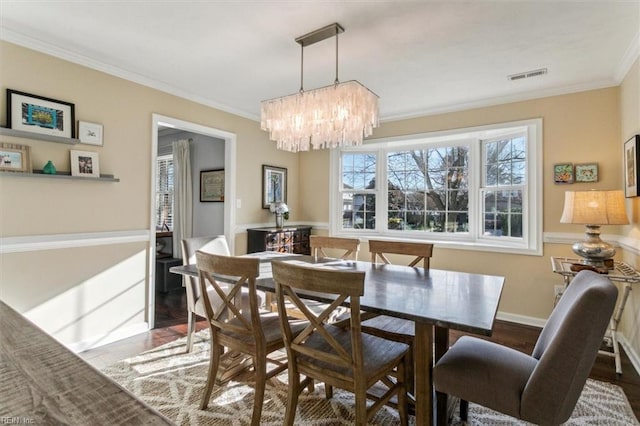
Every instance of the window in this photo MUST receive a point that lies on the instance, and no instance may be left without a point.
(164, 193)
(474, 188)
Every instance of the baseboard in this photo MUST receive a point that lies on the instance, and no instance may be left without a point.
(105, 339)
(631, 353)
(521, 319)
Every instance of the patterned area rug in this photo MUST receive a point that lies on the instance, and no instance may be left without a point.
(172, 381)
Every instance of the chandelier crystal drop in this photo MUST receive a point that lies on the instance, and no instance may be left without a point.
(338, 115)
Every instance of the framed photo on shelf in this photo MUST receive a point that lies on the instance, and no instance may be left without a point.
(37, 114)
(274, 185)
(90, 133)
(586, 172)
(563, 173)
(85, 164)
(212, 186)
(15, 158)
(631, 161)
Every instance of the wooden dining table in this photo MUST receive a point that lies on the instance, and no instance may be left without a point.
(435, 300)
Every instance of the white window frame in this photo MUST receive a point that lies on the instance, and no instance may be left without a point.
(530, 243)
(160, 158)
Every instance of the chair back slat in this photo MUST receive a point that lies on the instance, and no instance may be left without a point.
(349, 246)
(380, 248)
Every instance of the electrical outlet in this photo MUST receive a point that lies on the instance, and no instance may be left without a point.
(558, 290)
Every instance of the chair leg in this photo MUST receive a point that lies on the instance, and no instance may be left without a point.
(260, 372)
(361, 404)
(214, 361)
(292, 396)
(328, 391)
(403, 403)
(464, 410)
(191, 328)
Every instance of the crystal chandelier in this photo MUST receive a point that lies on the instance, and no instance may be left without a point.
(341, 114)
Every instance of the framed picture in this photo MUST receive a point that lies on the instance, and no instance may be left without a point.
(85, 164)
(90, 133)
(15, 158)
(274, 185)
(212, 186)
(563, 173)
(586, 172)
(631, 161)
(37, 114)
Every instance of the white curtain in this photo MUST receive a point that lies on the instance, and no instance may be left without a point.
(182, 195)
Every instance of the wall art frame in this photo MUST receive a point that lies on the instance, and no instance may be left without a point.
(38, 114)
(274, 185)
(631, 162)
(212, 186)
(563, 173)
(90, 133)
(85, 164)
(586, 172)
(15, 158)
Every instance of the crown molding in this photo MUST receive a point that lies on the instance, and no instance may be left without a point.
(629, 58)
(20, 39)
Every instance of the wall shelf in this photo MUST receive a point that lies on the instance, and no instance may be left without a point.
(61, 175)
(30, 135)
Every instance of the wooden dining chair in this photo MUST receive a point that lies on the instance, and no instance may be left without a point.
(336, 248)
(338, 356)
(422, 251)
(544, 387)
(236, 329)
(348, 247)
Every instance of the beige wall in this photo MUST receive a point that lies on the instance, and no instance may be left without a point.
(630, 125)
(42, 207)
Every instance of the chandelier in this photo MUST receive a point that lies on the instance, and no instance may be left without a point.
(341, 114)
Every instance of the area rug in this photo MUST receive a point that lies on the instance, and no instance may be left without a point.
(172, 381)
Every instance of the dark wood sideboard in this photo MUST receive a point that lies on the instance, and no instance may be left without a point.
(289, 239)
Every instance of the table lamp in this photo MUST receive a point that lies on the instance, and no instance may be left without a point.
(593, 209)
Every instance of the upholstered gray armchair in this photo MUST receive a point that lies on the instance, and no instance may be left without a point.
(543, 387)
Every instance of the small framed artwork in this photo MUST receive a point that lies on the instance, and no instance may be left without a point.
(631, 161)
(212, 186)
(90, 133)
(15, 158)
(37, 114)
(586, 172)
(563, 173)
(85, 164)
(274, 185)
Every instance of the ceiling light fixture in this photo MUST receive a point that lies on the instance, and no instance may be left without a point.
(341, 114)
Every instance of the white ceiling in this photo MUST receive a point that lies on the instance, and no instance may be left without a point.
(420, 57)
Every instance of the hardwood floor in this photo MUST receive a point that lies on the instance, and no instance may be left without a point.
(171, 324)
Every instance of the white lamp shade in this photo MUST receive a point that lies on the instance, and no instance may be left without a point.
(594, 208)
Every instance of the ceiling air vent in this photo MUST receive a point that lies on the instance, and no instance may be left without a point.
(527, 74)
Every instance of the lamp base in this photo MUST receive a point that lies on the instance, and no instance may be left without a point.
(592, 249)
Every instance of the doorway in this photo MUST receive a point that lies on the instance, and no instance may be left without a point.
(164, 128)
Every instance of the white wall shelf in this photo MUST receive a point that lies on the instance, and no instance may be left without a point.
(60, 175)
(30, 135)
